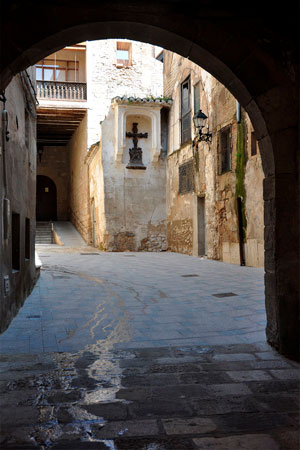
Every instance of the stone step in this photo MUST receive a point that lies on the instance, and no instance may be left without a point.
(43, 233)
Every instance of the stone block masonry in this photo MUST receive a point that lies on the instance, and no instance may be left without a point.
(204, 219)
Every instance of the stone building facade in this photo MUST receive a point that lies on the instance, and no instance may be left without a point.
(214, 189)
(17, 193)
(94, 72)
(127, 176)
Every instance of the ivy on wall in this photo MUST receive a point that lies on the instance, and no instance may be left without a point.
(241, 160)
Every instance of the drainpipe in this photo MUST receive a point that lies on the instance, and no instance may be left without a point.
(238, 112)
(240, 227)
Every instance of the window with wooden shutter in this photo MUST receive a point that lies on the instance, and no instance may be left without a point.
(225, 150)
(185, 111)
(186, 177)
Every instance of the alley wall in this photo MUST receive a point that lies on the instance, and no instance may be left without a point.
(79, 184)
(17, 184)
(210, 183)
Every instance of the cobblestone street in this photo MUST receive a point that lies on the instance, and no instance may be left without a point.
(144, 351)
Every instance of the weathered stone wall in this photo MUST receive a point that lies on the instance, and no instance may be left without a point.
(129, 204)
(220, 191)
(55, 165)
(17, 185)
(96, 194)
(105, 80)
(79, 185)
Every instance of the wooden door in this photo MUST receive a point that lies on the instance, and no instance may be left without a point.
(46, 199)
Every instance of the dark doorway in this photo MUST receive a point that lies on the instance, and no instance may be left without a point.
(46, 201)
(201, 226)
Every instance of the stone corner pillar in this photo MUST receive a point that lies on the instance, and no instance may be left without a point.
(282, 271)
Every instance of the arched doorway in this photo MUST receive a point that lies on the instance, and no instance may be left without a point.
(253, 52)
(46, 199)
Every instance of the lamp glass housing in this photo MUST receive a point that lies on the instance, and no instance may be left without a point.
(199, 119)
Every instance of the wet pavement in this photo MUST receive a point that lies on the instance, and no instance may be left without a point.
(144, 351)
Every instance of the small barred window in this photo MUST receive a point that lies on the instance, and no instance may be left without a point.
(186, 177)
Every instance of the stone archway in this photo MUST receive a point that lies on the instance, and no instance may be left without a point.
(252, 51)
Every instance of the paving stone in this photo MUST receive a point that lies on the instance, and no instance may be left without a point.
(277, 364)
(226, 405)
(127, 428)
(174, 368)
(228, 389)
(223, 366)
(278, 403)
(12, 417)
(150, 380)
(234, 357)
(252, 375)
(64, 416)
(109, 411)
(116, 333)
(193, 425)
(154, 444)
(65, 444)
(288, 374)
(252, 422)
(179, 391)
(180, 359)
(207, 377)
(268, 355)
(160, 407)
(245, 442)
(235, 348)
(133, 394)
(64, 397)
(274, 386)
(160, 303)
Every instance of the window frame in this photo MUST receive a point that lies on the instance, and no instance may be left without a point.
(41, 65)
(186, 133)
(228, 168)
(253, 148)
(196, 88)
(186, 177)
(124, 46)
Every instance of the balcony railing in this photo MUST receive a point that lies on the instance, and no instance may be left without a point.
(57, 90)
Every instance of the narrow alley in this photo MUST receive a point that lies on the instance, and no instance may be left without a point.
(144, 351)
(149, 226)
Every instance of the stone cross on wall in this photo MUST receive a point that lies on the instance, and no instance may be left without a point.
(135, 152)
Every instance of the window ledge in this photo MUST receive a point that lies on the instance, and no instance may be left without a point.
(182, 147)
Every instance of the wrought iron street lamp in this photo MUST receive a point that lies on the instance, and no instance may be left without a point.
(199, 120)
